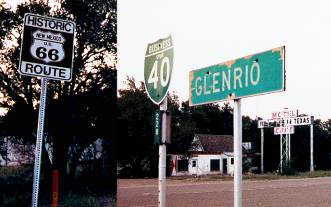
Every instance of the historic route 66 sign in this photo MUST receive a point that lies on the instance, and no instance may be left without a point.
(47, 47)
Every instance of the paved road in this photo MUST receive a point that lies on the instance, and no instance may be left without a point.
(268, 193)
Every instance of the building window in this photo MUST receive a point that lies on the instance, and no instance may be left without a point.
(232, 161)
(214, 165)
(194, 163)
(182, 165)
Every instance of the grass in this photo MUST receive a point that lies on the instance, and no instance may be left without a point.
(251, 176)
(13, 170)
(318, 173)
(78, 200)
(16, 187)
(270, 176)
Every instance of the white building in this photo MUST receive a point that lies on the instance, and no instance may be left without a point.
(209, 154)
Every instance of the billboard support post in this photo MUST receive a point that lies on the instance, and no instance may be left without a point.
(262, 150)
(312, 145)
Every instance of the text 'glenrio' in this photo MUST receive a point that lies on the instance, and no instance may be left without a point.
(227, 80)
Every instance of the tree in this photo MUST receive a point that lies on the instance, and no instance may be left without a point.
(210, 118)
(135, 129)
(137, 154)
(78, 111)
(300, 147)
(182, 127)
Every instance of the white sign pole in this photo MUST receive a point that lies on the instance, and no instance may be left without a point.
(237, 135)
(162, 157)
(286, 147)
(312, 145)
(262, 150)
(289, 149)
(281, 153)
(6, 160)
(38, 149)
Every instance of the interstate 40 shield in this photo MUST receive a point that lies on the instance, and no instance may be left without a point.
(158, 68)
(47, 47)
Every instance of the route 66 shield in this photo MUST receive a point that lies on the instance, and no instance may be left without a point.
(47, 46)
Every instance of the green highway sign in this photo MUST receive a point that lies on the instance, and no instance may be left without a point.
(248, 76)
(158, 68)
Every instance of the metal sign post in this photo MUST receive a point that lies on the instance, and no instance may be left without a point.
(289, 149)
(162, 157)
(281, 153)
(237, 145)
(38, 149)
(284, 155)
(47, 51)
(262, 150)
(312, 145)
(286, 147)
(6, 160)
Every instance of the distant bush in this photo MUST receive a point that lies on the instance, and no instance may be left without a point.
(15, 186)
(21, 199)
(287, 170)
(82, 191)
(77, 200)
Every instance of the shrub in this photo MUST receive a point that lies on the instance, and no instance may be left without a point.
(77, 200)
(15, 186)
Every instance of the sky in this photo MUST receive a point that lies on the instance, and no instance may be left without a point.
(214, 31)
(210, 32)
(14, 3)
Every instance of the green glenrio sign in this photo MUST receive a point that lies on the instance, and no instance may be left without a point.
(158, 68)
(248, 76)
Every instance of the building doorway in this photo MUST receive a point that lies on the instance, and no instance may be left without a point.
(225, 166)
(214, 165)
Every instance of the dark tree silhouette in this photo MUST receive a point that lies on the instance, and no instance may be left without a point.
(77, 112)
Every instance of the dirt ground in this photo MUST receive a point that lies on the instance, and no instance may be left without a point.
(308, 192)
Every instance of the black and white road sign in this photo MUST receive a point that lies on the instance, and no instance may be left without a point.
(47, 47)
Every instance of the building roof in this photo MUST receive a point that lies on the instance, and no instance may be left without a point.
(209, 143)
